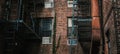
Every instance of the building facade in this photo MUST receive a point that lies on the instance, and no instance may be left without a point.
(53, 27)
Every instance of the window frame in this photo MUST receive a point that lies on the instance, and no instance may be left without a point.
(40, 23)
(75, 27)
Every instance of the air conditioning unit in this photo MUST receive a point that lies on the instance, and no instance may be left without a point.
(70, 3)
(72, 42)
(46, 40)
(49, 5)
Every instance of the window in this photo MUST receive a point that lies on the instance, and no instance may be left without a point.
(45, 29)
(45, 26)
(82, 28)
(70, 27)
(48, 4)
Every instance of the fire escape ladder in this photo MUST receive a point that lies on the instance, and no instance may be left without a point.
(74, 26)
(117, 23)
(81, 23)
(84, 21)
(15, 26)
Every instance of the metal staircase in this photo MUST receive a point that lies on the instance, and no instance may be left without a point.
(117, 23)
(81, 20)
(14, 25)
(81, 23)
(84, 29)
(8, 28)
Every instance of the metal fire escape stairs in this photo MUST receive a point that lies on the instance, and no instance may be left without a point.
(81, 22)
(117, 23)
(12, 26)
(8, 30)
(84, 21)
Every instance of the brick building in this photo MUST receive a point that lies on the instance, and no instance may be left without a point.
(58, 27)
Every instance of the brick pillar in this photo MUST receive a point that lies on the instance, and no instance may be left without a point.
(61, 27)
(95, 26)
(95, 20)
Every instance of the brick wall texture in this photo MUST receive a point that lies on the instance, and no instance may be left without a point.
(62, 13)
(108, 19)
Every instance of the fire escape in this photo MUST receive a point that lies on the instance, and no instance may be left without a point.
(117, 23)
(82, 22)
(17, 19)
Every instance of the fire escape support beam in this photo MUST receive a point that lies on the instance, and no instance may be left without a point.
(32, 31)
(20, 5)
(20, 14)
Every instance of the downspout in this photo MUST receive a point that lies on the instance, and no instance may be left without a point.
(96, 32)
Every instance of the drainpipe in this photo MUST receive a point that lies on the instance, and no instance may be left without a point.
(96, 32)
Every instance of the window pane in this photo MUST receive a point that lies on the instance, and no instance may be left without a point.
(70, 27)
(69, 31)
(45, 27)
(69, 22)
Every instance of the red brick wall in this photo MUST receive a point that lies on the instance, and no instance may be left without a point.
(61, 28)
(62, 12)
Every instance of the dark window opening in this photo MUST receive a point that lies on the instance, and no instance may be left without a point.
(44, 27)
